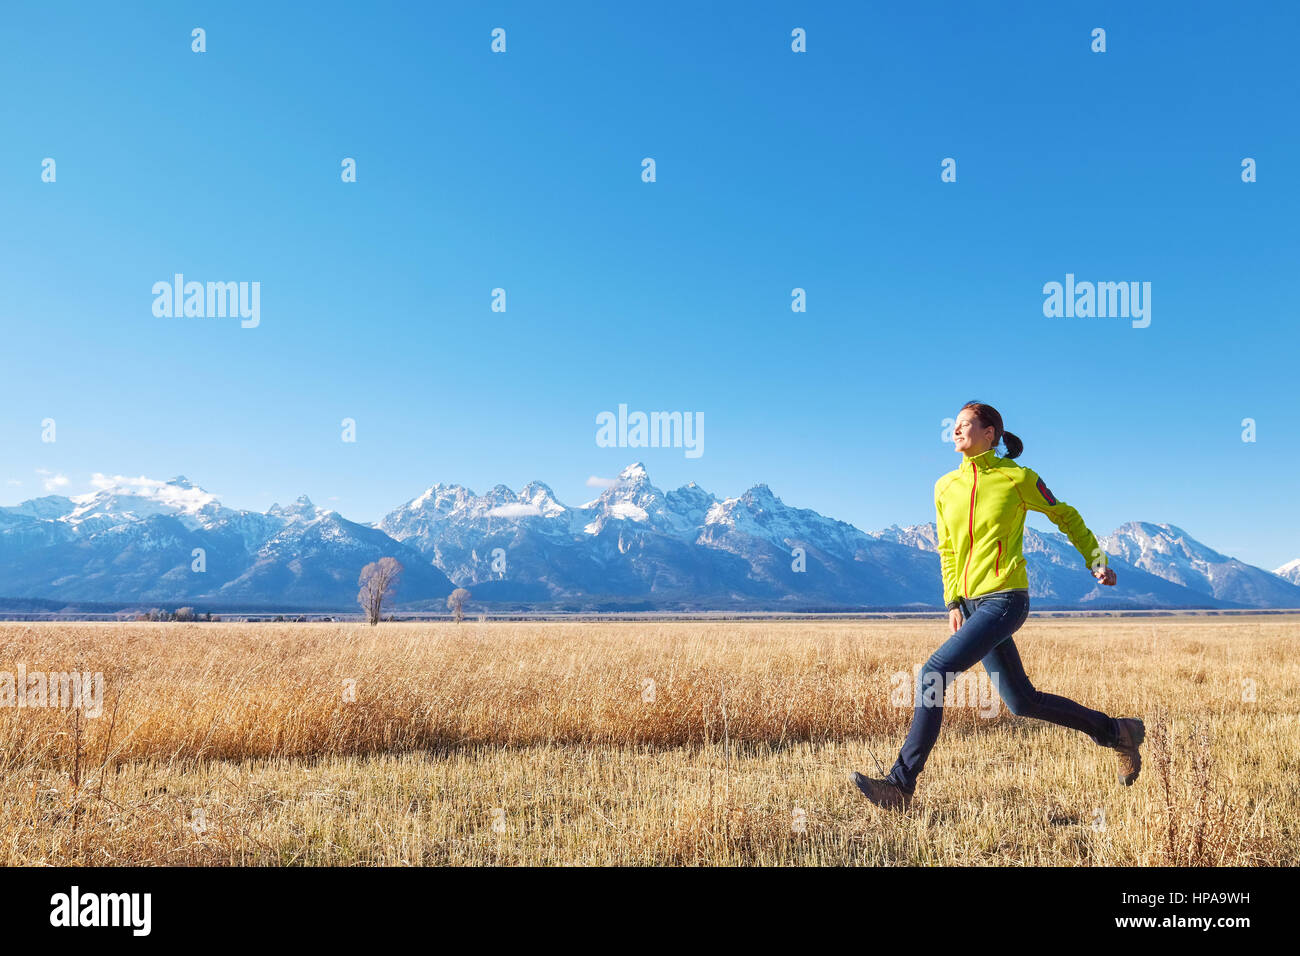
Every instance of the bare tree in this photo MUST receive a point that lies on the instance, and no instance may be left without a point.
(378, 580)
(456, 601)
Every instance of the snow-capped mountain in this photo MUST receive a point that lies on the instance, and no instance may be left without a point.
(637, 541)
(914, 536)
(124, 499)
(633, 498)
(632, 541)
(1169, 552)
(1289, 571)
(633, 546)
(140, 539)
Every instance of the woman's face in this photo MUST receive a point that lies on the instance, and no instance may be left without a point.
(967, 435)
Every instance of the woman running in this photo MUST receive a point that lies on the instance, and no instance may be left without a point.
(980, 522)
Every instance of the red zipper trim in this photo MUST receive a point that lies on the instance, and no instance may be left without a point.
(997, 560)
(966, 574)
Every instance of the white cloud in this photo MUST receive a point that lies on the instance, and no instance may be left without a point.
(52, 482)
(596, 482)
(185, 499)
(518, 509)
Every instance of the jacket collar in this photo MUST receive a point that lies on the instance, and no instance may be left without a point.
(983, 460)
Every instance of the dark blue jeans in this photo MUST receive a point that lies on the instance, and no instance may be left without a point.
(985, 635)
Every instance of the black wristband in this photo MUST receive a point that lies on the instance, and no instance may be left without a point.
(954, 605)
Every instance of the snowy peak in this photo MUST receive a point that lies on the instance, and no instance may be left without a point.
(760, 515)
(119, 498)
(631, 497)
(1169, 552)
(760, 496)
(692, 503)
(750, 506)
(444, 506)
(920, 536)
(1142, 543)
(539, 497)
(1289, 571)
(441, 499)
(301, 510)
(632, 485)
(634, 498)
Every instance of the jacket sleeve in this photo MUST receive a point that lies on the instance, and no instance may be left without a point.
(1038, 497)
(947, 560)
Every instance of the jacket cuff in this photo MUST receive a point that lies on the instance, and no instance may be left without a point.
(953, 605)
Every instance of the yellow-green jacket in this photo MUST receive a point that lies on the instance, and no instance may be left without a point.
(980, 522)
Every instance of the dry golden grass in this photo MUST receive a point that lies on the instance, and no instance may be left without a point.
(504, 743)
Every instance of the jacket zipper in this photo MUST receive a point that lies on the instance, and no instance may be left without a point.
(997, 560)
(974, 474)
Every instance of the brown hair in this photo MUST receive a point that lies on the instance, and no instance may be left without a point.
(988, 417)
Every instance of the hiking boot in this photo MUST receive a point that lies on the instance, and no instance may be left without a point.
(883, 793)
(1131, 734)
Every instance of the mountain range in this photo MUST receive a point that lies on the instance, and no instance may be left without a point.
(635, 547)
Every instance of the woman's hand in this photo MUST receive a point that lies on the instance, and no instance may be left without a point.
(1104, 575)
(954, 619)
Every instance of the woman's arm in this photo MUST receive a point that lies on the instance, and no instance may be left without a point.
(947, 559)
(1038, 497)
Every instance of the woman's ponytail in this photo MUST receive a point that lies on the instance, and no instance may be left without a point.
(1013, 444)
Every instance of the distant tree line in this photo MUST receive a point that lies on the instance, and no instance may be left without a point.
(378, 582)
(180, 614)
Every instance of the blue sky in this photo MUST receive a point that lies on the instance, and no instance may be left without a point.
(775, 170)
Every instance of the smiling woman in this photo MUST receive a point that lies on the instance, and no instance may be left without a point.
(980, 510)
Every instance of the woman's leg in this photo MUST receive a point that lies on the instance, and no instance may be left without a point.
(1008, 676)
(993, 620)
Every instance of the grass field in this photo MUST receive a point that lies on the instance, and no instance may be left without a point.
(718, 743)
